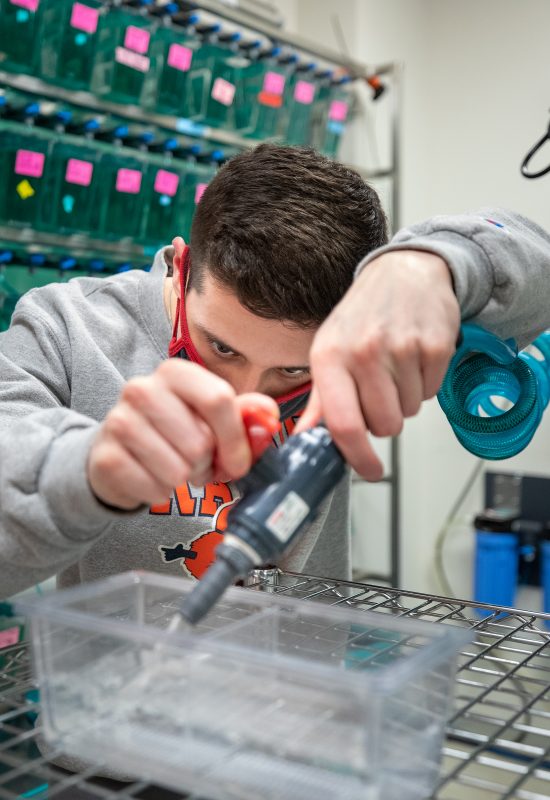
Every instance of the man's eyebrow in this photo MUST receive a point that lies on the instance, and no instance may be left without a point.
(213, 338)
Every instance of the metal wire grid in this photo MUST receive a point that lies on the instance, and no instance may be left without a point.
(498, 742)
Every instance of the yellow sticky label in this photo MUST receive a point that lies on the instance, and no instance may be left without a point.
(24, 190)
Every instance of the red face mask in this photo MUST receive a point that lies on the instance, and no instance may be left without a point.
(181, 345)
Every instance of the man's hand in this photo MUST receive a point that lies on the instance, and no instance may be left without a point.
(182, 423)
(383, 349)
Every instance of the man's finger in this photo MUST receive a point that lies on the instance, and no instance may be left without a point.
(409, 383)
(311, 414)
(146, 446)
(172, 419)
(129, 484)
(213, 399)
(435, 362)
(379, 400)
(343, 416)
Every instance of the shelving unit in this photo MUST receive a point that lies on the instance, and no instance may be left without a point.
(498, 734)
(258, 21)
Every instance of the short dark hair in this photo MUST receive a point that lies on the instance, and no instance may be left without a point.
(284, 228)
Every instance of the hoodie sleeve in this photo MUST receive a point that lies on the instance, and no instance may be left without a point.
(48, 513)
(500, 264)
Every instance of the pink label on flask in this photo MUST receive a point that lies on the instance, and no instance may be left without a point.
(274, 83)
(223, 91)
(199, 191)
(338, 110)
(84, 18)
(137, 39)
(128, 180)
(179, 57)
(304, 92)
(166, 182)
(27, 162)
(132, 60)
(79, 172)
(30, 5)
(8, 637)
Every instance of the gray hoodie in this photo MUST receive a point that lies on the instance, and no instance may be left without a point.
(72, 346)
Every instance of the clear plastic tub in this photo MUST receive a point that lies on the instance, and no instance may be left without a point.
(268, 697)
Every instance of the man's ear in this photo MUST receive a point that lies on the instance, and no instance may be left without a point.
(179, 247)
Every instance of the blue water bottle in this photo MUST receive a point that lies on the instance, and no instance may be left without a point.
(496, 561)
(545, 571)
(493, 396)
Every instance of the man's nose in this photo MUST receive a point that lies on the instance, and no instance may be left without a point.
(249, 380)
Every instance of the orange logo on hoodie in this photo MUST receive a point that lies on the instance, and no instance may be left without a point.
(199, 553)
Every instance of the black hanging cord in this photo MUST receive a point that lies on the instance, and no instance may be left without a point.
(536, 147)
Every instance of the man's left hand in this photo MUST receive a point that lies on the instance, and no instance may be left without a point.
(383, 350)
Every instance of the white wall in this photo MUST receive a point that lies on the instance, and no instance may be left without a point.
(475, 97)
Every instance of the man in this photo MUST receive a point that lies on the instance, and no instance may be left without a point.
(98, 426)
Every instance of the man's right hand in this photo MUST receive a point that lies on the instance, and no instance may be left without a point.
(182, 423)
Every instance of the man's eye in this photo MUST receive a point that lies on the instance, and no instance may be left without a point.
(221, 349)
(293, 372)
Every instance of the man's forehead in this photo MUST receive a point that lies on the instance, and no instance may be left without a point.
(218, 314)
(220, 299)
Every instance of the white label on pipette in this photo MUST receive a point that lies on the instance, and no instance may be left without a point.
(288, 516)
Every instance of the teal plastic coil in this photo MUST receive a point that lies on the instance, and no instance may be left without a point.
(493, 396)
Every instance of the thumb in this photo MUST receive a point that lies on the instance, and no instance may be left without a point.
(254, 402)
(260, 415)
(312, 412)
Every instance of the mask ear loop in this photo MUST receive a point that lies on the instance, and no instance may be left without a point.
(181, 338)
(174, 342)
(185, 271)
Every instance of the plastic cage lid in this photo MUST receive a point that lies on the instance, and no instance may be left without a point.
(184, 19)
(207, 28)
(64, 116)
(120, 132)
(32, 109)
(250, 44)
(307, 66)
(147, 137)
(190, 150)
(231, 36)
(92, 125)
(288, 58)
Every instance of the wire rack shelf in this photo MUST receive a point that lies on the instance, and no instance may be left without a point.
(498, 735)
